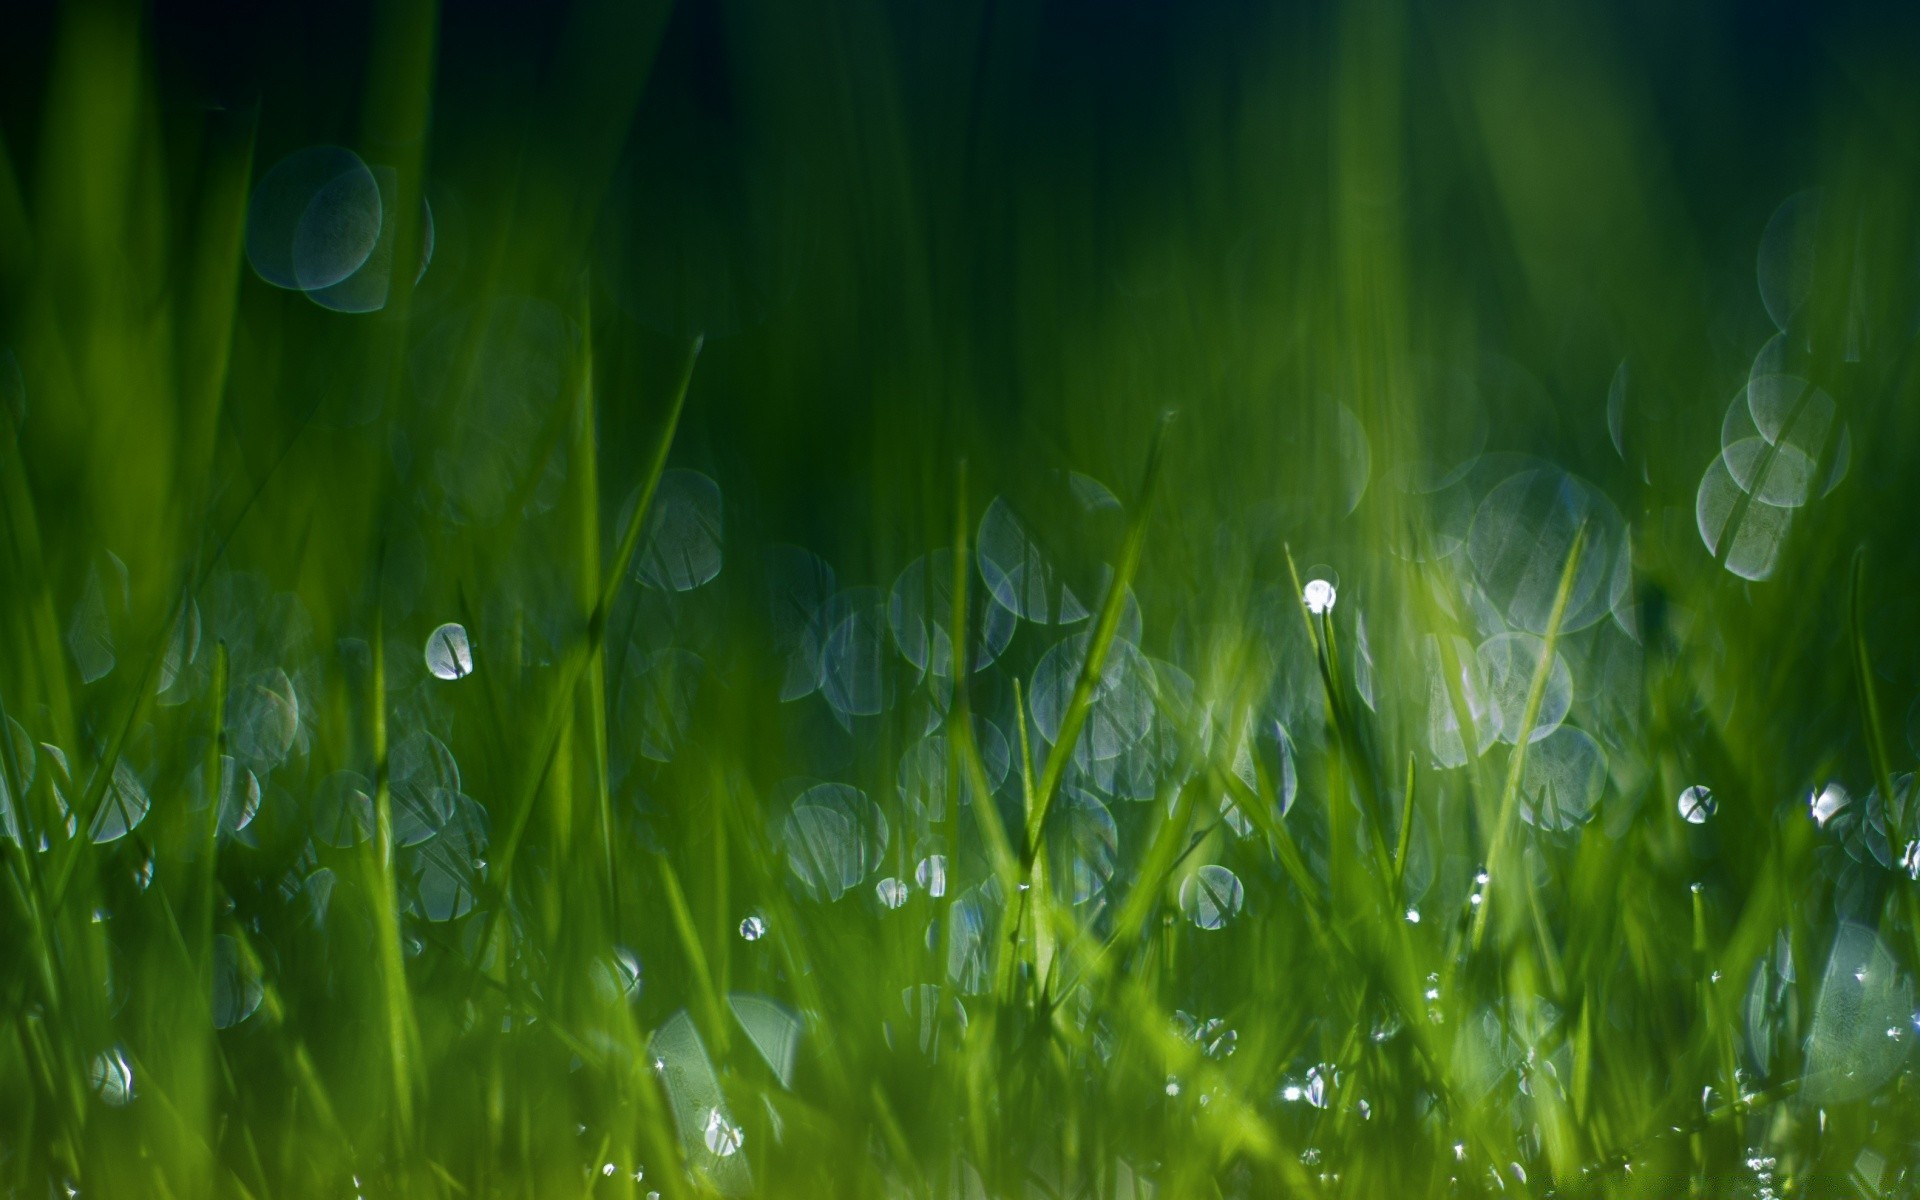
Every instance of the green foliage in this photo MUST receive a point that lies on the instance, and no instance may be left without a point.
(1467, 751)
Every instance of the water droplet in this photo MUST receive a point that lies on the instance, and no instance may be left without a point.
(723, 1136)
(1697, 804)
(1755, 541)
(1861, 995)
(449, 654)
(237, 988)
(1519, 540)
(1564, 777)
(1313, 1088)
(931, 875)
(1319, 597)
(892, 892)
(835, 838)
(1022, 576)
(685, 533)
(314, 219)
(112, 1077)
(1827, 803)
(1508, 663)
(1211, 896)
(753, 928)
(919, 610)
(239, 794)
(617, 976)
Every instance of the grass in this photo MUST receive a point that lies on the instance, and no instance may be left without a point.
(729, 869)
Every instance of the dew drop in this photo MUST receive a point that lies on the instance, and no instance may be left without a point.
(1319, 597)
(1697, 804)
(723, 1136)
(931, 875)
(449, 654)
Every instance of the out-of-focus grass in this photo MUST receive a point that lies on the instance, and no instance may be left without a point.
(691, 863)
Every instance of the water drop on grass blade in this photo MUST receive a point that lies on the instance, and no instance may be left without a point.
(1697, 805)
(343, 810)
(1861, 995)
(617, 976)
(1828, 803)
(1018, 573)
(1211, 897)
(123, 805)
(1617, 409)
(449, 654)
(237, 989)
(1082, 845)
(711, 1138)
(1784, 264)
(1508, 662)
(1319, 597)
(858, 667)
(773, 1028)
(314, 218)
(111, 1076)
(90, 635)
(799, 585)
(1759, 532)
(920, 608)
(239, 796)
(931, 875)
(424, 781)
(1564, 776)
(446, 881)
(366, 290)
(1519, 541)
(685, 533)
(835, 837)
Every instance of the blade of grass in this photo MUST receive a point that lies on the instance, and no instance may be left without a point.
(402, 1029)
(1099, 644)
(1346, 732)
(961, 741)
(1863, 679)
(689, 937)
(1516, 763)
(575, 664)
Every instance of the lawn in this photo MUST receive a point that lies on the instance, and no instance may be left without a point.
(959, 600)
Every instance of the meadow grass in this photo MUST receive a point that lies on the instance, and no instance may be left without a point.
(1354, 635)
